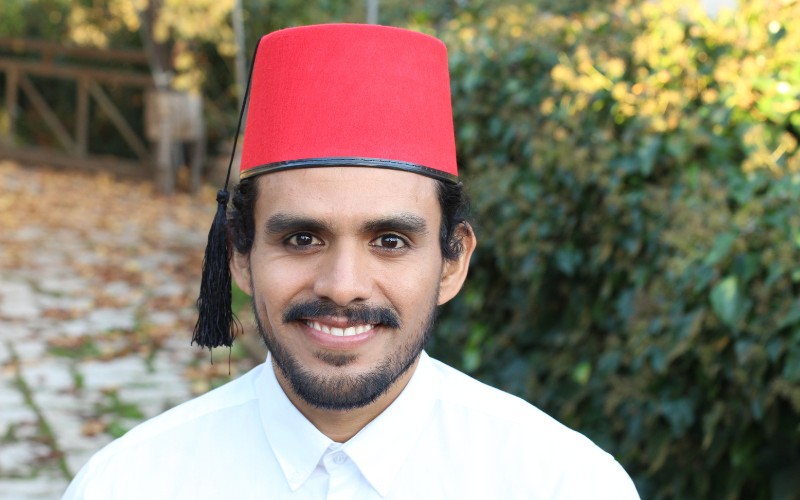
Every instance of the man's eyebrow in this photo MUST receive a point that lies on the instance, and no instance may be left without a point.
(404, 222)
(281, 223)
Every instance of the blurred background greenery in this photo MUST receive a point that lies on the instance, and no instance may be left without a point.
(635, 177)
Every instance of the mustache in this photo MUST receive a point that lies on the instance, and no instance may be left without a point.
(360, 313)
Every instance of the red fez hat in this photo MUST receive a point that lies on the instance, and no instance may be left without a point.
(332, 95)
(350, 94)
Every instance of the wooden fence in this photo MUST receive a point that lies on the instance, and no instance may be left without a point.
(172, 120)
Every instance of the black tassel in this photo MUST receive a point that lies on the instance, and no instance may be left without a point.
(216, 324)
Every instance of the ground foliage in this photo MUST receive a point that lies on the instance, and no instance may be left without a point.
(126, 238)
(635, 178)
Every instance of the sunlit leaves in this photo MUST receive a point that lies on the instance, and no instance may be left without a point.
(184, 26)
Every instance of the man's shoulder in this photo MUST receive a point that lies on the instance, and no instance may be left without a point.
(504, 419)
(177, 443)
(485, 421)
(461, 392)
(183, 417)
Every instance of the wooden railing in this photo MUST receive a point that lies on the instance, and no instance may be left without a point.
(92, 71)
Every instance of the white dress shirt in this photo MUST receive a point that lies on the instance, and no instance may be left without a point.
(446, 436)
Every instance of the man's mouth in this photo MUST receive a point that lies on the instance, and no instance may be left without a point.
(339, 332)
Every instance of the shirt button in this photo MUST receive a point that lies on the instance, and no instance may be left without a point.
(339, 458)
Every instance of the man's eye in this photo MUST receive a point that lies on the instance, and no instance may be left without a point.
(303, 240)
(390, 241)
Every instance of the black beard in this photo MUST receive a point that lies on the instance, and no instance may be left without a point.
(345, 392)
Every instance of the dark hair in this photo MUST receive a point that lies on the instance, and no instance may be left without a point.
(453, 201)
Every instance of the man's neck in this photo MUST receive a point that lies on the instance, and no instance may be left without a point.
(341, 425)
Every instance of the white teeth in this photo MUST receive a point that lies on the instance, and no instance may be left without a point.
(317, 326)
(339, 332)
(360, 329)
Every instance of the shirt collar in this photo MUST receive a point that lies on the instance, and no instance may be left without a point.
(382, 447)
(379, 450)
(296, 443)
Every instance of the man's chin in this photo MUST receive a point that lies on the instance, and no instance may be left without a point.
(339, 392)
(337, 360)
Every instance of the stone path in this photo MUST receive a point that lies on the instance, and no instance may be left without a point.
(98, 279)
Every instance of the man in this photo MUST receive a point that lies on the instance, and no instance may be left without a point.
(348, 231)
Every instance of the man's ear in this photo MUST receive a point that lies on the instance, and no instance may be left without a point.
(454, 272)
(240, 271)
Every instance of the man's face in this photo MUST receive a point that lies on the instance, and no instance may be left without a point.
(345, 273)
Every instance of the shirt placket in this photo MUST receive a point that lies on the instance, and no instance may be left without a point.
(345, 481)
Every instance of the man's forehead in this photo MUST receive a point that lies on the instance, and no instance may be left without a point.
(335, 192)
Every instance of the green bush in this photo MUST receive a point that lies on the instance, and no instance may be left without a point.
(635, 179)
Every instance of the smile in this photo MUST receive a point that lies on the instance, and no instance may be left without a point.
(339, 332)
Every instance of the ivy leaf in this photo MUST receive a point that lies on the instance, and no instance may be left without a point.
(725, 300)
(722, 246)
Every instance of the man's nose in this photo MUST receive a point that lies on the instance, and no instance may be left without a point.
(343, 275)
